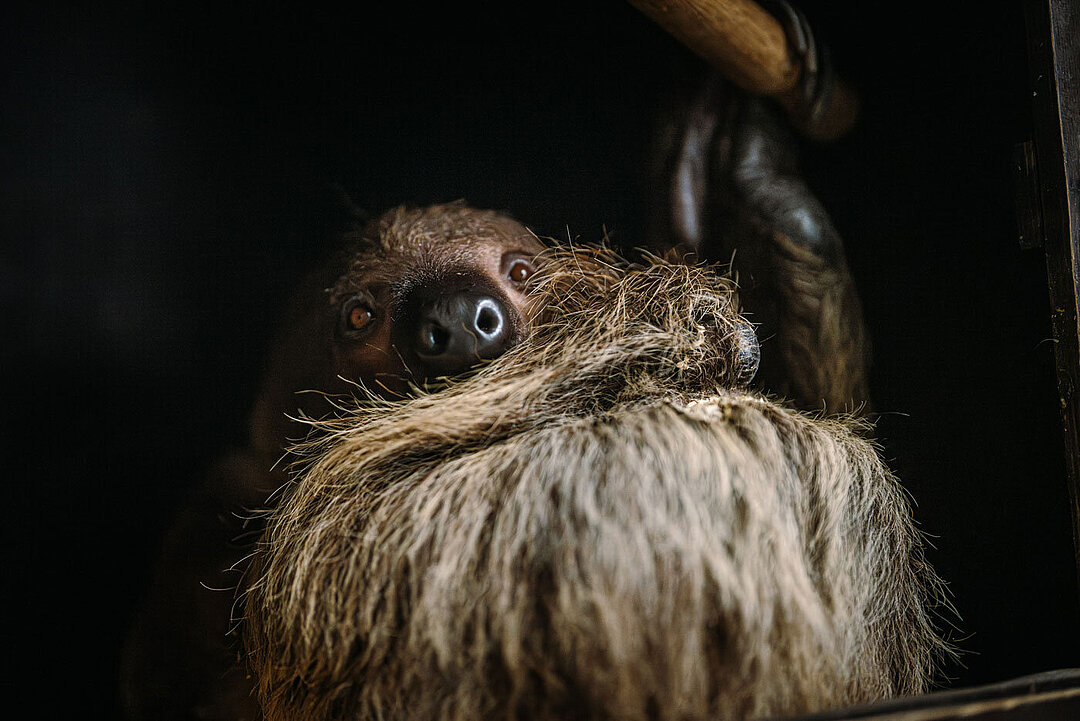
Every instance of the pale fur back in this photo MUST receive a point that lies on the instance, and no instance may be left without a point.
(601, 524)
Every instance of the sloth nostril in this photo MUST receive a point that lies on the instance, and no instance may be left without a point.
(433, 338)
(488, 319)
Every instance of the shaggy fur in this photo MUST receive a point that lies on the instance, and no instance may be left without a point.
(600, 524)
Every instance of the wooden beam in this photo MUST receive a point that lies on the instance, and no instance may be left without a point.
(1053, 28)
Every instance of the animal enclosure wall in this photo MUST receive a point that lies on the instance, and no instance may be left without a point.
(164, 185)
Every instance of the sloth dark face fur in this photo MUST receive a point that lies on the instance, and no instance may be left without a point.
(430, 293)
(414, 296)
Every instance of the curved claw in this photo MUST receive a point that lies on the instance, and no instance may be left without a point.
(690, 172)
(731, 165)
(765, 176)
(817, 81)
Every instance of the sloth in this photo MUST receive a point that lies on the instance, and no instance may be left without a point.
(603, 522)
(629, 514)
(554, 483)
(416, 295)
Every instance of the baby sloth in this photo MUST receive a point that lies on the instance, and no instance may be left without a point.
(414, 296)
(602, 523)
(410, 298)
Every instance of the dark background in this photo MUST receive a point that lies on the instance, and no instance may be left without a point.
(161, 176)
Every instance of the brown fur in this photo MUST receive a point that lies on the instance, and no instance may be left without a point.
(603, 523)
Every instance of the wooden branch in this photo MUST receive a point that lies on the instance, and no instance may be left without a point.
(750, 48)
(736, 36)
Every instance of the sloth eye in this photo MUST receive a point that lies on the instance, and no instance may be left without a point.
(356, 315)
(359, 317)
(520, 271)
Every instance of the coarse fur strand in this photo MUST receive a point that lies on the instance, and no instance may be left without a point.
(601, 524)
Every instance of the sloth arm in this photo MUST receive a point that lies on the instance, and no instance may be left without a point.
(736, 195)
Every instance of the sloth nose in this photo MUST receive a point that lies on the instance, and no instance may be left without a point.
(457, 331)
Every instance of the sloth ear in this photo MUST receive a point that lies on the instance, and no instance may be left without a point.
(352, 217)
(343, 220)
